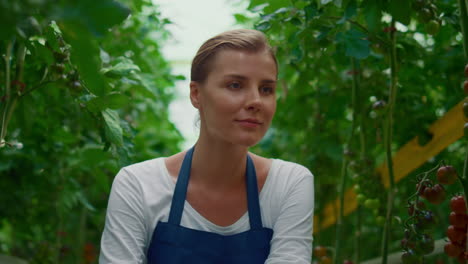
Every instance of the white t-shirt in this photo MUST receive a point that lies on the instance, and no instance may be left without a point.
(141, 196)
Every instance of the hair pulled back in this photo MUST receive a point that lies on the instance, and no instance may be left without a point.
(239, 39)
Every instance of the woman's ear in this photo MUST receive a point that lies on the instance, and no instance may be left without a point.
(195, 94)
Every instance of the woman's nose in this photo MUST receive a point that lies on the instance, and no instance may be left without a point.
(254, 100)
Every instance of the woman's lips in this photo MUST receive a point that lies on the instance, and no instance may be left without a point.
(251, 123)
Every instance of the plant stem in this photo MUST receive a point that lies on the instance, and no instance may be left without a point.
(357, 236)
(339, 221)
(344, 164)
(81, 235)
(388, 144)
(19, 78)
(362, 138)
(7, 92)
(464, 25)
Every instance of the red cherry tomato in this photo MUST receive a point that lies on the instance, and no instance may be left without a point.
(452, 250)
(435, 194)
(446, 175)
(456, 235)
(458, 205)
(424, 184)
(458, 220)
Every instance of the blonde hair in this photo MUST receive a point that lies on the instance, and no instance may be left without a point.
(239, 39)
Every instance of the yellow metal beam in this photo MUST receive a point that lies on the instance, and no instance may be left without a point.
(411, 156)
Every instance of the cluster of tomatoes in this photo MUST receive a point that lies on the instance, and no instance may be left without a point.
(323, 256)
(368, 187)
(427, 14)
(62, 68)
(418, 240)
(456, 232)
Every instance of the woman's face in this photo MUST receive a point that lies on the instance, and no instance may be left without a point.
(237, 101)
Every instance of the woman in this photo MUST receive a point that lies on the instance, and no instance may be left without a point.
(217, 202)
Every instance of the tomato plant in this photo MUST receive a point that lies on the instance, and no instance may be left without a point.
(79, 93)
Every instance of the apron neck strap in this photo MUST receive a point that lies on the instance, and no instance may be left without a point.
(180, 192)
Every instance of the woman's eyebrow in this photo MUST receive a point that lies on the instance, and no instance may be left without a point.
(242, 77)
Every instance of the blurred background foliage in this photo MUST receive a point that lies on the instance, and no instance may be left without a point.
(83, 94)
(86, 94)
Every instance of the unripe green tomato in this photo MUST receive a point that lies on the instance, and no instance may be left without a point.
(372, 203)
(433, 27)
(357, 188)
(361, 198)
(380, 220)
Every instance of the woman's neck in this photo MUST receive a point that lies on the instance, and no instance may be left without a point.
(218, 164)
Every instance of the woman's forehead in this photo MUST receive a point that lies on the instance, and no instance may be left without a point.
(244, 63)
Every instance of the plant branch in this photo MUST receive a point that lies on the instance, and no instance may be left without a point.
(364, 29)
(7, 92)
(388, 144)
(464, 25)
(339, 223)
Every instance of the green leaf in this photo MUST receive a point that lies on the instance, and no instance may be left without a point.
(42, 53)
(400, 10)
(123, 66)
(277, 4)
(97, 16)
(355, 43)
(112, 101)
(84, 201)
(85, 55)
(113, 130)
(52, 36)
(373, 15)
(324, 2)
(240, 18)
(311, 11)
(350, 11)
(338, 3)
(264, 26)
(257, 7)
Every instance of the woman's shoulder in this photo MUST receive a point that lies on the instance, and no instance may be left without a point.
(143, 172)
(288, 173)
(291, 168)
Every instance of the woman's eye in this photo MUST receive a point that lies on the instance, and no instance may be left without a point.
(234, 85)
(266, 90)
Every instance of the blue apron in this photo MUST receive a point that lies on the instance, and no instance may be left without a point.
(172, 243)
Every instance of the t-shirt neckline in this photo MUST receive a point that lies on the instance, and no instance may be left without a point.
(212, 226)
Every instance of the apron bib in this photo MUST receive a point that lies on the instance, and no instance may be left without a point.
(172, 243)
